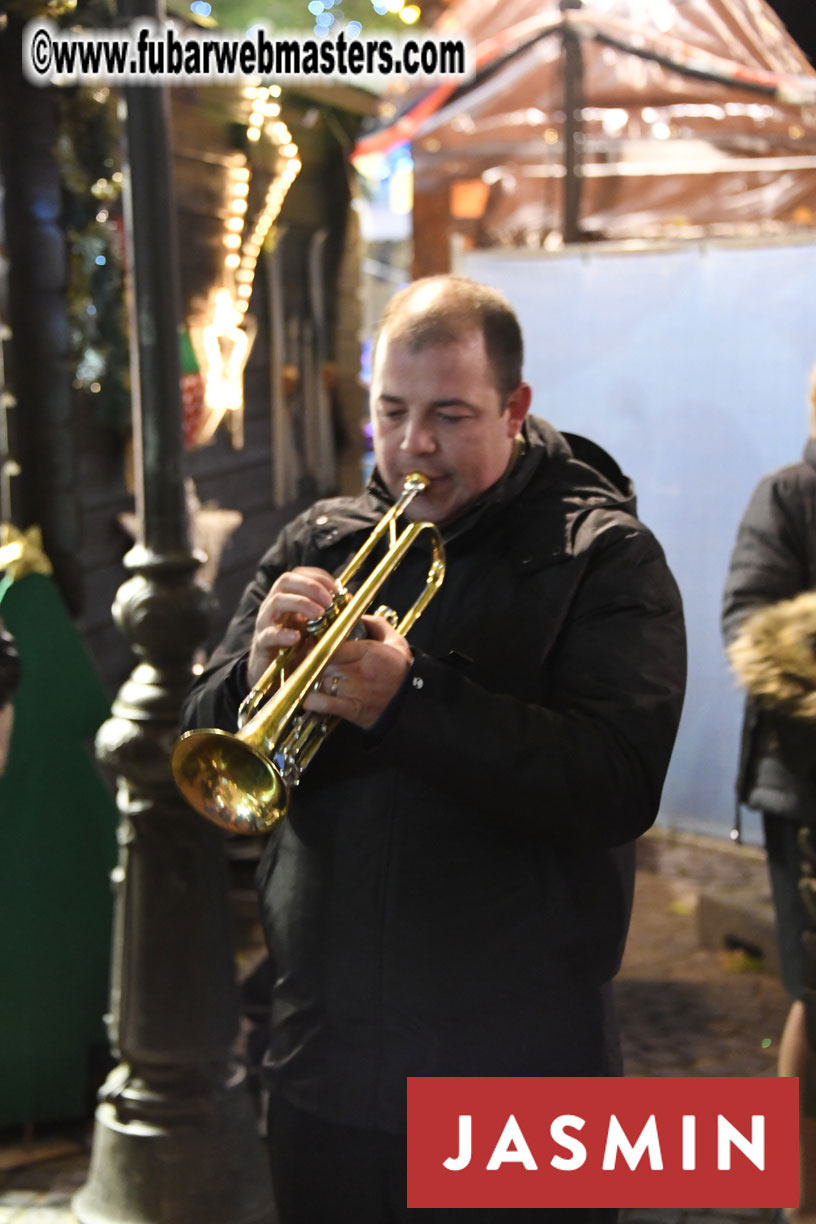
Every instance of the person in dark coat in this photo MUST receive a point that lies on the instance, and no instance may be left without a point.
(450, 892)
(769, 621)
(10, 675)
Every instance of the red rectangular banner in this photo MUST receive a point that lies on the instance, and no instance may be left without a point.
(656, 1142)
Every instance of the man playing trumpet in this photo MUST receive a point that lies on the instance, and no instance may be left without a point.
(450, 892)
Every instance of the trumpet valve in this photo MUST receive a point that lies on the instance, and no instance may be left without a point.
(320, 624)
(388, 614)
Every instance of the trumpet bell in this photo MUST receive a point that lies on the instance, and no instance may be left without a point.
(229, 781)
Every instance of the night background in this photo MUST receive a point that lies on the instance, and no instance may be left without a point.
(800, 20)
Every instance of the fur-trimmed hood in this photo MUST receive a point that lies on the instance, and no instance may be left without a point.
(774, 656)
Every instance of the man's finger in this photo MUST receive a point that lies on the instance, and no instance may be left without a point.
(275, 636)
(377, 627)
(290, 603)
(349, 707)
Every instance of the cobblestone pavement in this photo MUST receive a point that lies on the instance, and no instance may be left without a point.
(683, 1011)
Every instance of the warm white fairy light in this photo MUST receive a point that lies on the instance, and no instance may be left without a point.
(244, 245)
(226, 337)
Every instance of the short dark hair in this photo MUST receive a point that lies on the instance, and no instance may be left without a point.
(441, 309)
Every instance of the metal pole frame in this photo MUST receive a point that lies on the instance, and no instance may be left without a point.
(573, 126)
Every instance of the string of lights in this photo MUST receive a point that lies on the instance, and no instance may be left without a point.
(223, 334)
(329, 15)
(244, 246)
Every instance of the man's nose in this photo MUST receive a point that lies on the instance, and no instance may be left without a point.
(418, 438)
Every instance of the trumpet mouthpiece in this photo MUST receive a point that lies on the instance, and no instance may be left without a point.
(415, 483)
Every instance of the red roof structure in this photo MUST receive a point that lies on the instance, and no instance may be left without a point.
(613, 119)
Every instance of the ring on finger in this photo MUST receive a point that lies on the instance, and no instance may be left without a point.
(335, 682)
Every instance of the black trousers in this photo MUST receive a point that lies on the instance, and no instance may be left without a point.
(326, 1174)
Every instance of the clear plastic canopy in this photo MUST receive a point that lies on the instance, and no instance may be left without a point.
(690, 117)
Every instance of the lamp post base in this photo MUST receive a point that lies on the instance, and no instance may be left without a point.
(178, 1173)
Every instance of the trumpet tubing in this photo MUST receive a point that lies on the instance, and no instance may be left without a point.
(242, 781)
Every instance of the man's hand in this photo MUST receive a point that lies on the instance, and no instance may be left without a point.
(363, 675)
(301, 594)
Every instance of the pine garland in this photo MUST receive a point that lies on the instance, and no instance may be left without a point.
(88, 159)
(31, 10)
(88, 156)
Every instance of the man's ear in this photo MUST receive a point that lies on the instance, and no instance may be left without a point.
(518, 404)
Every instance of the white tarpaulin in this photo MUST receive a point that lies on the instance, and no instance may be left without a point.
(691, 366)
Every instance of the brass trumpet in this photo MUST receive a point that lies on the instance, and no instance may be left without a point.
(242, 782)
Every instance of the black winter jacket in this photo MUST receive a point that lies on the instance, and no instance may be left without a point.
(438, 877)
(774, 559)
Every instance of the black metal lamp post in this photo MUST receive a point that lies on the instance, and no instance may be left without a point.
(175, 1138)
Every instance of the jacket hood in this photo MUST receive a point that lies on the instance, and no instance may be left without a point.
(772, 656)
(563, 459)
(564, 468)
(590, 467)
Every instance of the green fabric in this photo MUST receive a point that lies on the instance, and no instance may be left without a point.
(57, 847)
